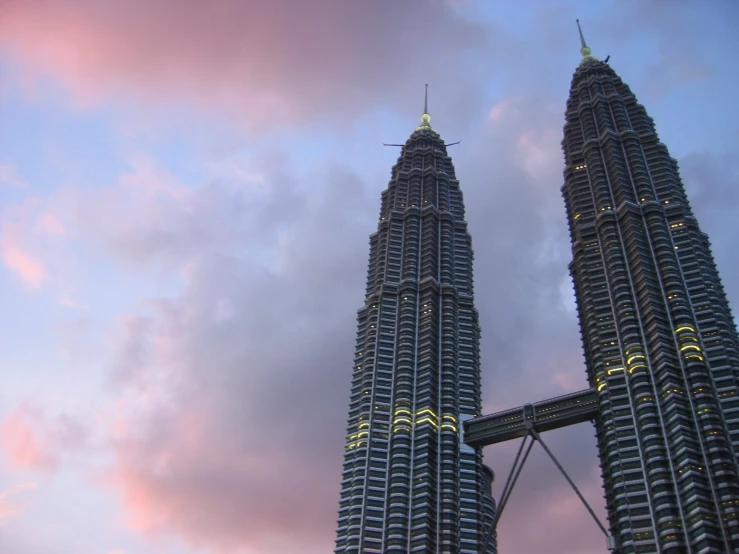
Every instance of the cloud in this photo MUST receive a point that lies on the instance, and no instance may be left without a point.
(71, 304)
(49, 224)
(9, 507)
(225, 431)
(26, 229)
(25, 440)
(710, 180)
(260, 62)
(10, 178)
(680, 55)
(134, 350)
(33, 441)
(505, 108)
(31, 271)
(149, 218)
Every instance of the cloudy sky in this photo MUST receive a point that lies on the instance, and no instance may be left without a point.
(186, 194)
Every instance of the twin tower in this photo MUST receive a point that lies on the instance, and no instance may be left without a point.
(661, 349)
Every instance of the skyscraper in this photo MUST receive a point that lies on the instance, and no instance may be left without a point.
(660, 344)
(409, 483)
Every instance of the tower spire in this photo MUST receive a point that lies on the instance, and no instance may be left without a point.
(425, 117)
(584, 48)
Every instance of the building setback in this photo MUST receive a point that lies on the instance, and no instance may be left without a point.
(660, 344)
(409, 483)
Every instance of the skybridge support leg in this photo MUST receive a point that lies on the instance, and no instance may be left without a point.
(518, 464)
(572, 484)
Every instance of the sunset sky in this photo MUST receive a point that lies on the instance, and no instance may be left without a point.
(187, 188)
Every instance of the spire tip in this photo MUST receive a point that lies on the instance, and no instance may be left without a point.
(584, 48)
(425, 117)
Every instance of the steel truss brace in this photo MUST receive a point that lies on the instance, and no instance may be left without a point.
(533, 436)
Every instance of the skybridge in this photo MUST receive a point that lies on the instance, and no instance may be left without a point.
(527, 422)
(547, 415)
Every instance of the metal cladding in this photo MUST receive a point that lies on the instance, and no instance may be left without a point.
(660, 344)
(410, 484)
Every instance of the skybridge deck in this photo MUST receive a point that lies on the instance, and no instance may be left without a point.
(544, 416)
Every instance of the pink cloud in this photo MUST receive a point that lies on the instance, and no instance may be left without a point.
(182, 469)
(210, 489)
(505, 108)
(267, 62)
(49, 224)
(26, 440)
(148, 217)
(136, 216)
(32, 440)
(22, 229)
(10, 507)
(570, 379)
(67, 302)
(203, 448)
(29, 269)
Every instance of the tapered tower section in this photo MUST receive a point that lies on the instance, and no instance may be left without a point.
(409, 482)
(660, 344)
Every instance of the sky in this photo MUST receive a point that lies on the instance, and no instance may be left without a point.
(187, 189)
